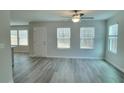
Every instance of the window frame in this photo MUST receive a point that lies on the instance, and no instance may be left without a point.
(18, 38)
(112, 36)
(27, 37)
(57, 39)
(92, 38)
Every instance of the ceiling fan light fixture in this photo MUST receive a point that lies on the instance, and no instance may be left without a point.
(75, 19)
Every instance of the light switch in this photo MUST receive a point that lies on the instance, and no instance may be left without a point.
(2, 45)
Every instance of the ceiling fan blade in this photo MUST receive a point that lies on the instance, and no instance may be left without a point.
(87, 17)
(81, 14)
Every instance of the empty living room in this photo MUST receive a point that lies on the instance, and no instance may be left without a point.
(61, 46)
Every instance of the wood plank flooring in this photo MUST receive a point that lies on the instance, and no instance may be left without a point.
(60, 70)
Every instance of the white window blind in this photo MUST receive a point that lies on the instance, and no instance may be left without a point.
(23, 37)
(14, 40)
(19, 37)
(87, 35)
(112, 38)
(63, 37)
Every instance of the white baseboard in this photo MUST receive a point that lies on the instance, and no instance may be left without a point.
(115, 65)
(34, 56)
(31, 55)
(100, 58)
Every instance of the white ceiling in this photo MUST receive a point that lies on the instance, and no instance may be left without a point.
(23, 17)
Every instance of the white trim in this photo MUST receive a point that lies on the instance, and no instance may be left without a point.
(21, 52)
(98, 58)
(118, 67)
(32, 55)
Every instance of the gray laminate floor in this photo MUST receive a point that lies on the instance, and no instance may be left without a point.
(60, 70)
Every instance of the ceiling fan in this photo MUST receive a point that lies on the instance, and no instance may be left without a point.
(78, 15)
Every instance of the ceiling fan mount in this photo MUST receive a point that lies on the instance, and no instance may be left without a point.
(76, 13)
(78, 16)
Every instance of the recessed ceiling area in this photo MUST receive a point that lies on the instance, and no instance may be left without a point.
(23, 17)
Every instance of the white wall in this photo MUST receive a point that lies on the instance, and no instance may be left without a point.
(74, 51)
(23, 49)
(117, 59)
(5, 51)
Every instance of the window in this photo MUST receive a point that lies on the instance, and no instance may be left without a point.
(112, 38)
(14, 40)
(63, 37)
(87, 35)
(19, 37)
(23, 37)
